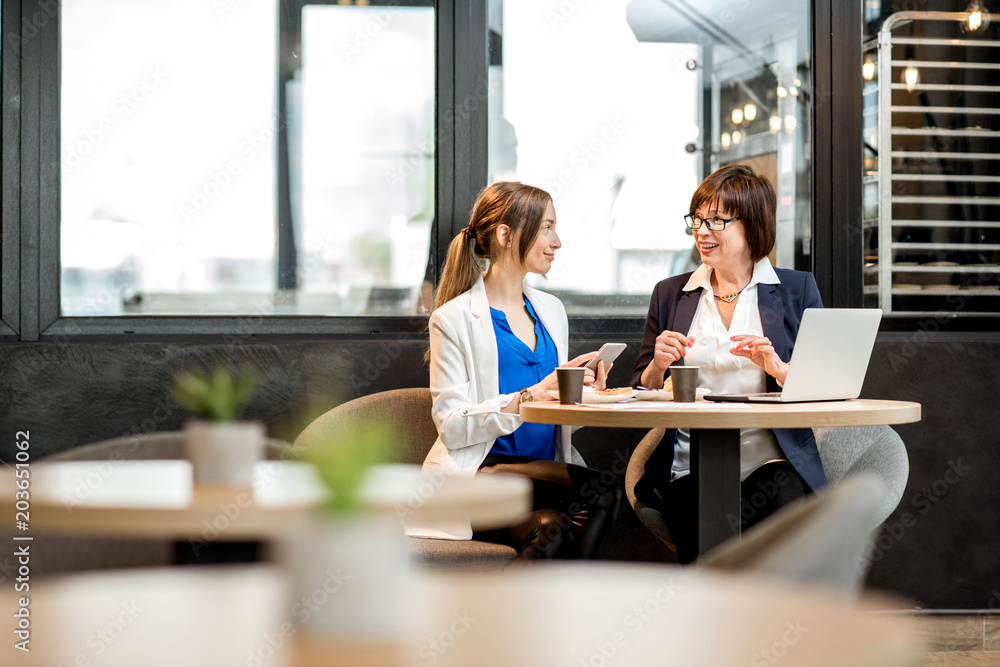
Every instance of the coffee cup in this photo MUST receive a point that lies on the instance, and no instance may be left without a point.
(570, 384)
(685, 383)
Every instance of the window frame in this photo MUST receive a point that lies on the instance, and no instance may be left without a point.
(30, 254)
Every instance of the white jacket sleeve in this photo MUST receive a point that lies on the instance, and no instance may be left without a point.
(462, 419)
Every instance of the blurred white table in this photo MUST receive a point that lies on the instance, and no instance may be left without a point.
(158, 499)
(545, 615)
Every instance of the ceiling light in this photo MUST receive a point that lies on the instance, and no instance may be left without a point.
(977, 20)
(868, 69)
(911, 77)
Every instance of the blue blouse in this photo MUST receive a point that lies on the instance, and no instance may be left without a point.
(520, 368)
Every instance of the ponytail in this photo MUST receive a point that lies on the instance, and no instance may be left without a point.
(460, 270)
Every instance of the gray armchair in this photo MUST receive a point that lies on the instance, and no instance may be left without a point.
(845, 451)
(408, 413)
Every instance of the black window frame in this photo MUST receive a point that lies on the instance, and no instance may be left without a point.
(30, 253)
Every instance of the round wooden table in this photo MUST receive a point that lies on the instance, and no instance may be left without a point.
(715, 438)
(158, 499)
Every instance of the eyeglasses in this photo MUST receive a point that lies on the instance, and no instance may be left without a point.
(695, 221)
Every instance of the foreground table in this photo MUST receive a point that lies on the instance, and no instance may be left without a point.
(550, 614)
(715, 439)
(157, 499)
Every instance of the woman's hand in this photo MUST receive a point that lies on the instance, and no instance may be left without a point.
(669, 347)
(550, 383)
(759, 350)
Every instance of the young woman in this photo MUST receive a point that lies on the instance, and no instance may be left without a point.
(495, 343)
(736, 318)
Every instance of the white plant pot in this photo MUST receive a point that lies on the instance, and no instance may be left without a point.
(350, 577)
(223, 452)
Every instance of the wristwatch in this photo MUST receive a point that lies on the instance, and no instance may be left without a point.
(526, 396)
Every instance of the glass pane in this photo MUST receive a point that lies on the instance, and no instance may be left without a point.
(932, 214)
(253, 157)
(621, 108)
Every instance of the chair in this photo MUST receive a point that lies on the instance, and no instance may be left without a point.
(64, 553)
(408, 413)
(846, 451)
(823, 538)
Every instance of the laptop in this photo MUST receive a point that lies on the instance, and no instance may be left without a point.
(829, 360)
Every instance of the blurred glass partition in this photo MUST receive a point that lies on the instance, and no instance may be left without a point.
(620, 108)
(245, 158)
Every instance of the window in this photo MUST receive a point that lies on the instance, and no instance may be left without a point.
(245, 158)
(620, 108)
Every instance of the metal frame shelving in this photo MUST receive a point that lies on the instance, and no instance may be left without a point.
(890, 176)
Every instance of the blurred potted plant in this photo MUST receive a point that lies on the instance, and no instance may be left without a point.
(221, 449)
(353, 562)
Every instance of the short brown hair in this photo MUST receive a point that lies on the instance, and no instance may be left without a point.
(748, 195)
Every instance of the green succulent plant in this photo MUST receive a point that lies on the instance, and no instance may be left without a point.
(219, 395)
(342, 463)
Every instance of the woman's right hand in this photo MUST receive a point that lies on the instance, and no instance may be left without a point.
(669, 347)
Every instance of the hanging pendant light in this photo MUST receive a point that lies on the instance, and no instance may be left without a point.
(911, 77)
(978, 19)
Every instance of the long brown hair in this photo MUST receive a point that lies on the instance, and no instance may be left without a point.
(521, 207)
(747, 194)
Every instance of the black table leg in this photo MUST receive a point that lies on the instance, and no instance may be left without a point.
(217, 553)
(715, 468)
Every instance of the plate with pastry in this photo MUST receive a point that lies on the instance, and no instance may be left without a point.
(608, 395)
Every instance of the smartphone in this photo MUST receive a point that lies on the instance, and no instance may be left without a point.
(608, 353)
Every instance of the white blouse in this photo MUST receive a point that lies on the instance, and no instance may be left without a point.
(727, 373)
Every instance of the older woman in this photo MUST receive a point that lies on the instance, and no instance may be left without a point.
(736, 318)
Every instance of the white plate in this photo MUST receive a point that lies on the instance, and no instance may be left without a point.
(660, 395)
(594, 397)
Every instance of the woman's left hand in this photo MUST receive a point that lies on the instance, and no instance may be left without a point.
(759, 350)
(599, 379)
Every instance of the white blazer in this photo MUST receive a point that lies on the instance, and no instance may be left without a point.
(465, 388)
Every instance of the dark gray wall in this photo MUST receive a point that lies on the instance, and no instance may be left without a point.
(939, 549)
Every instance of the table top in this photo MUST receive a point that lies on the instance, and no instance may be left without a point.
(158, 499)
(578, 613)
(711, 415)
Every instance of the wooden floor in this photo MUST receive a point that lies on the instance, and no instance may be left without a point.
(960, 641)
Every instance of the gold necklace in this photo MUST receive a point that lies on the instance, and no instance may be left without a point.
(729, 298)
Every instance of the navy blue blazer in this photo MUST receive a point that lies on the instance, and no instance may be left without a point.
(781, 307)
